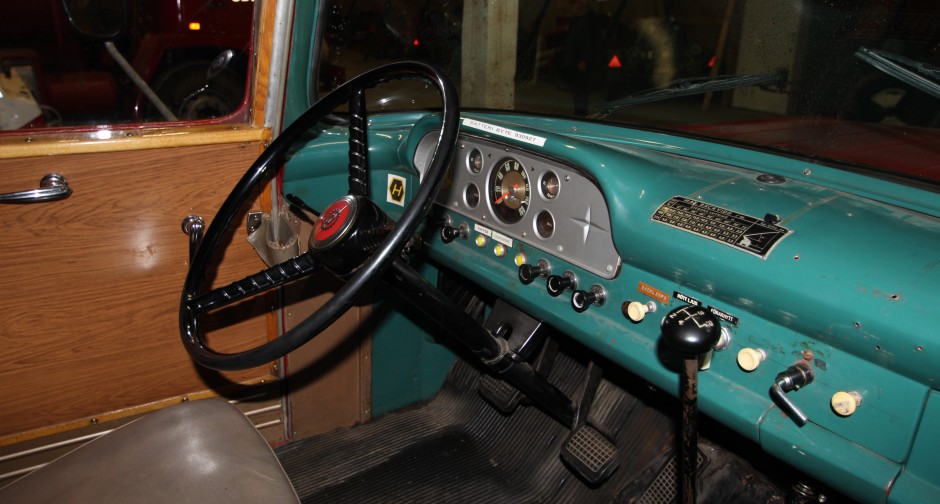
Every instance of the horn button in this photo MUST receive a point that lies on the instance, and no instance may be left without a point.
(347, 233)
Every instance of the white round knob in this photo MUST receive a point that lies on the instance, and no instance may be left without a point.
(636, 310)
(750, 358)
(845, 403)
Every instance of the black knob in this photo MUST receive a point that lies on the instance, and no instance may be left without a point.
(528, 273)
(690, 330)
(582, 300)
(557, 284)
(448, 234)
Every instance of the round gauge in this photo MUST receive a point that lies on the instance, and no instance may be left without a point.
(475, 161)
(544, 225)
(471, 196)
(509, 191)
(549, 185)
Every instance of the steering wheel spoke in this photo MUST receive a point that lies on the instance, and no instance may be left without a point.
(358, 146)
(280, 274)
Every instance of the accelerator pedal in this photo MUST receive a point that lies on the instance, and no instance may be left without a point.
(664, 489)
(591, 454)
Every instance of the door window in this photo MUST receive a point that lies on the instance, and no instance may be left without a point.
(61, 62)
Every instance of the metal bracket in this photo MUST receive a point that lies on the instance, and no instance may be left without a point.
(254, 221)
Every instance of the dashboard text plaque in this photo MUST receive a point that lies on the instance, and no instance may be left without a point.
(743, 232)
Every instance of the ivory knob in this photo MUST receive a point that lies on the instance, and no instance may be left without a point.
(750, 358)
(845, 403)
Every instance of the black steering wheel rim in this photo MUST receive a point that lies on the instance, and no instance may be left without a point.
(264, 167)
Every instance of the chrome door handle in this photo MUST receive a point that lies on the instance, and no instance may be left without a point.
(52, 187)
(193, 227)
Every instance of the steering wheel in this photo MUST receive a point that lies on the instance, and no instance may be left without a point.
(353, 238)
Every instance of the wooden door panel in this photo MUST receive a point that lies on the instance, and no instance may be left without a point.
(90, 285)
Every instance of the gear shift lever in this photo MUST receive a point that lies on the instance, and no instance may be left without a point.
(690, 331)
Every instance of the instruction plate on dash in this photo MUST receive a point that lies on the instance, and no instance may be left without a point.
(743, 232)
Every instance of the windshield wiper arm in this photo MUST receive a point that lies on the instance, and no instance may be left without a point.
(908, 71)
(688, 87)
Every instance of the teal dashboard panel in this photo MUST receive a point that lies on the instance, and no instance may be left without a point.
(803, 264)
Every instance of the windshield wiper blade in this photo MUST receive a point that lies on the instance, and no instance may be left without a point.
(906, 70)
(688, 87)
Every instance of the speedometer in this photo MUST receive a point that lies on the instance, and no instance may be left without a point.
(509, 191)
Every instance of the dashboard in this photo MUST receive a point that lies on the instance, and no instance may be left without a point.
(601, 236)
(600, 231)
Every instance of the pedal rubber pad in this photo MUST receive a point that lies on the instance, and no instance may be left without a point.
(591, 454)
(503, 396)
(664, 489)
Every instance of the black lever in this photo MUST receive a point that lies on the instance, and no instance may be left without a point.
(690, 331)
(793, 378)
(298, 203)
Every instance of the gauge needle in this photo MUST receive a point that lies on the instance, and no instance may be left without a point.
(501, 198)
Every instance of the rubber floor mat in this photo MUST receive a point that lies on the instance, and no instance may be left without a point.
(458, 448)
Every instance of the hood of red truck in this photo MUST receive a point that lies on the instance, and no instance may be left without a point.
(904, 150)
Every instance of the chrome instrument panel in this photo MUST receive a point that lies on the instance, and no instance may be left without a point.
(549, 206)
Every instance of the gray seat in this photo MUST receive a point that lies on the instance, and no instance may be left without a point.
(199, 452)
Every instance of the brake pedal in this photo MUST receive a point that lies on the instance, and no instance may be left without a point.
(590, 453)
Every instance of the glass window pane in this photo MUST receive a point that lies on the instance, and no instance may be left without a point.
(58, 70)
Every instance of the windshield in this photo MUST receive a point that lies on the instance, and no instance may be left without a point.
(802, 76)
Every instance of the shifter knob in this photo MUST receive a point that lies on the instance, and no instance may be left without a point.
(690, 330)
